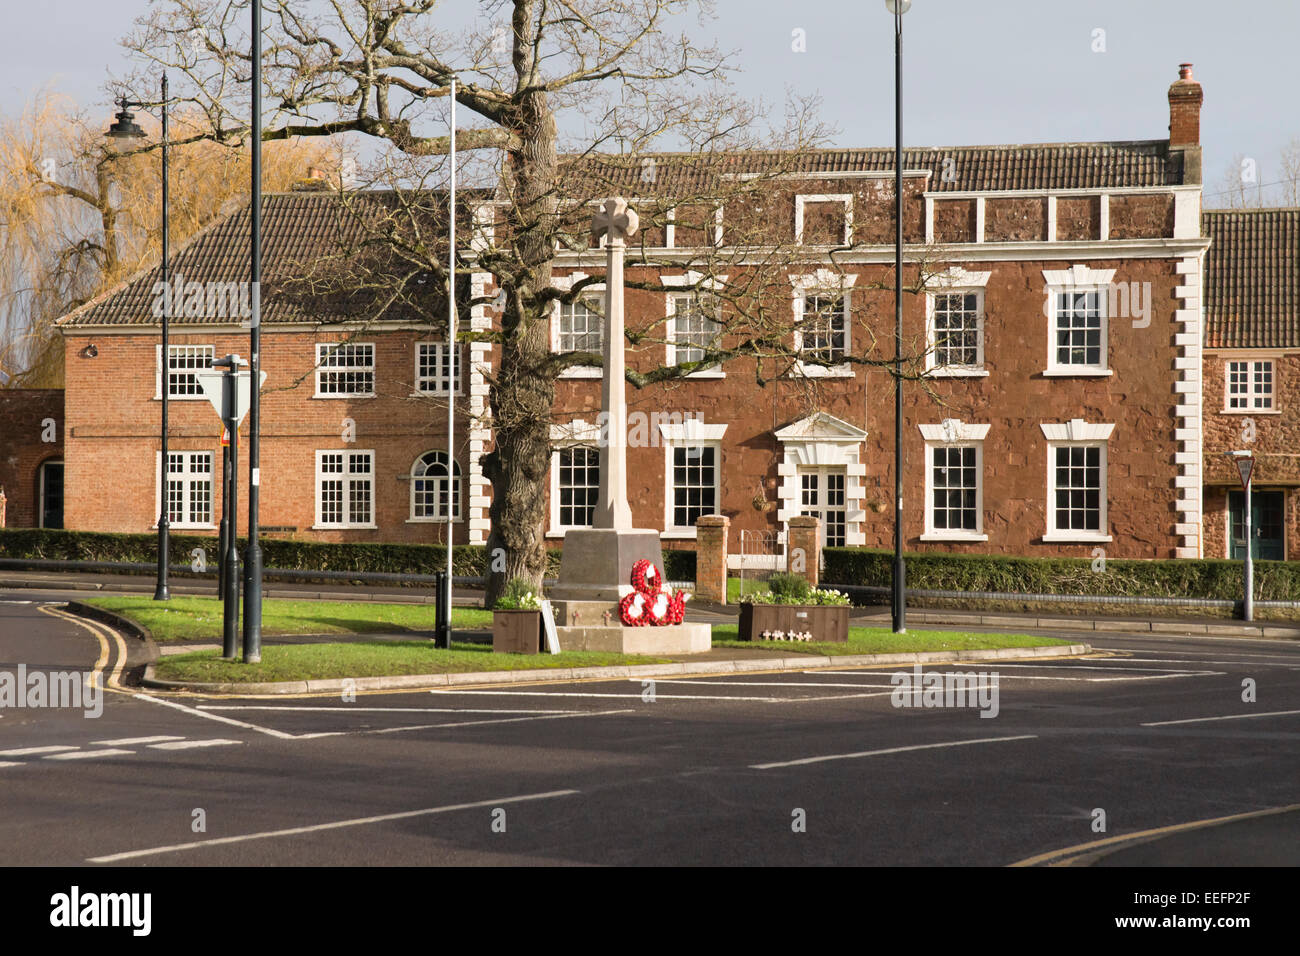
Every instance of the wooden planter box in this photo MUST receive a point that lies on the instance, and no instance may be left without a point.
(825, 623)
(516, 632)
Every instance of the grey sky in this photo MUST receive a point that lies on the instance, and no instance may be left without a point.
(976, 71)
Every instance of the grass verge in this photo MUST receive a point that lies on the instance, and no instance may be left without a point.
(880, 640)
(738, 586)
(196, 619)
(324, 661)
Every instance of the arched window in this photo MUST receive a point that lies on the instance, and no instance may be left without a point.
(431, 492)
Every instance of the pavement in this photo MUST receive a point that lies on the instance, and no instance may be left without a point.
(816, 766)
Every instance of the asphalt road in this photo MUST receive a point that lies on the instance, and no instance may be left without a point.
(758, 769)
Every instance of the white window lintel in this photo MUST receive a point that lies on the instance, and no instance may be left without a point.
(1076, 429)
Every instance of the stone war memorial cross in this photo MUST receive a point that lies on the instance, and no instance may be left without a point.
(596, 567)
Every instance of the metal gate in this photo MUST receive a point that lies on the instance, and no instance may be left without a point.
(762, 554)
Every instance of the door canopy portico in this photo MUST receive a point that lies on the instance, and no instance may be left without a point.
(822, 440)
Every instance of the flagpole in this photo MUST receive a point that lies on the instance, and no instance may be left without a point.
(453, 365)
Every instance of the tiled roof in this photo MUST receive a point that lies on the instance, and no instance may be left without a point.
(299, 231)
(1252, 278)
(1034, 166)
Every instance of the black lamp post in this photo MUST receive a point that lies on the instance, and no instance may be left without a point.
(899, 602)
(121, 135)
(253, 556)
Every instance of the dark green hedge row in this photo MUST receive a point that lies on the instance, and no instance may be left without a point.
(468, 560)
(1274, 580)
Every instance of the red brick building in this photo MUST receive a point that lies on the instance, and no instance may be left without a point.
(31, 457)
(1252, 379)
(1061, 320)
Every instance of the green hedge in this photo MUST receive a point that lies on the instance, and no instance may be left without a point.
(468, 560)
(1274, 580)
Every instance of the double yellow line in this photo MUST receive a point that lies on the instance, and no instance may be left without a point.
(1084, 854)
(107, 638)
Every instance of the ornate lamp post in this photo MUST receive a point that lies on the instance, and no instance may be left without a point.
(121, 135)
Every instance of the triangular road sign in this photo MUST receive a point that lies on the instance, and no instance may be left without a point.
(1244, 467)
(210, 380)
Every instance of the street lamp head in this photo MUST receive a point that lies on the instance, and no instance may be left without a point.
(898, 7)
(122, 133)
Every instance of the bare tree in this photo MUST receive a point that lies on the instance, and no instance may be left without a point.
(1246, 185)
(626, 77)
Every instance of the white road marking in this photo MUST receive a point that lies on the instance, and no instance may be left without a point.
(391, 710)
(133, 741)
(1275, 663)
(32, 751)
(751, 683)
(339, 824)
(88, 754)
(633, 695)
(11, 763)
(1089, 680)
(217, 717)
(479, 723)
(194, 744)
(889, 750)
(1200, 720)
(1197, 638)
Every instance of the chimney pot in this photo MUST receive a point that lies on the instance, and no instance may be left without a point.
(1184, 71)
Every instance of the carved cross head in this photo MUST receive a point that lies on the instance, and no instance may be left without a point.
(615, 220)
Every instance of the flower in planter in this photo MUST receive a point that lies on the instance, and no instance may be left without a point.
(519, 596)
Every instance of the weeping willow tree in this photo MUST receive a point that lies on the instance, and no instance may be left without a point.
(77, 217)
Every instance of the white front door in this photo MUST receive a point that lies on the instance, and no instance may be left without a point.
(821, 495)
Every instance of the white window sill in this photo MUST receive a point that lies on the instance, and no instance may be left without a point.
(939, 536)
(176, 526)
(345, 527)
(348, 395)
(1075, 537)
(582, 371)
(1077, 372)
(561, 532)
(426, 393)
(708, 373)
(824, 371)
(957, 372)
(182, 398)
(1250, 411)
(679, 534)
(433, 521)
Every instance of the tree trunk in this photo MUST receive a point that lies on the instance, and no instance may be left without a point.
(523, 397)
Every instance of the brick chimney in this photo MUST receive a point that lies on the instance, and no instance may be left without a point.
(316, 181)
(1185, 99)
